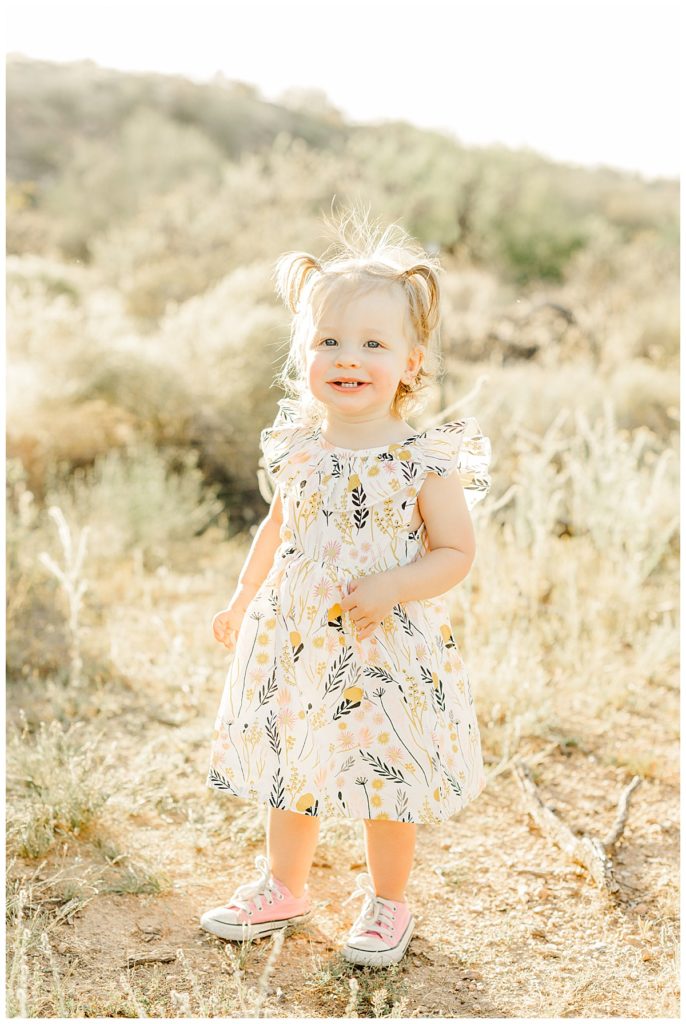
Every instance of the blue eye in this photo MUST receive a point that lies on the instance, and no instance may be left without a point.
(370, 342)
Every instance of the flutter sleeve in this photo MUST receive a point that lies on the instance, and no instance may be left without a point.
(289, 434)
(459, 445)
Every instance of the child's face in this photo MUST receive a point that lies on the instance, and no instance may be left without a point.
(361, 337)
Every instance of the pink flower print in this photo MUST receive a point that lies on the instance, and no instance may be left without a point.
(320, 777)
(420, 652)
(365, 737)
(332, 643)
(378, 718)
(299, 457)
(373, 654)
(331, 551)
(394, 755)
(324, 589)
(286, 717)
(283, 697)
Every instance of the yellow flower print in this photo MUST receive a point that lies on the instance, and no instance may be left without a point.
(296, 643)
(353, 481)
(263, 639)
(437, 793)
(262, 658)
(305, 802)
(434, 678)
(318, 641)
(375, 800)
(377, 783)
(383, 737)
(270, 623)
(353, 694)
(447, 635)
(382, 816)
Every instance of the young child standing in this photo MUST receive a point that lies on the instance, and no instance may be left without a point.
(347, 694)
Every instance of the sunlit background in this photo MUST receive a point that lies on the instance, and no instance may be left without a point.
(585, 82)
(159, 160)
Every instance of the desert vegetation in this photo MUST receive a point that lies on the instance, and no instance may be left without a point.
(144, 216)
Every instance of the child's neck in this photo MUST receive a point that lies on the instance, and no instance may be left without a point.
(368, 431)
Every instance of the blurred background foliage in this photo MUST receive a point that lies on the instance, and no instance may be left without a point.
(144, 216)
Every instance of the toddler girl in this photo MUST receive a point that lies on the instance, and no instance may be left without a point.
(347, 694)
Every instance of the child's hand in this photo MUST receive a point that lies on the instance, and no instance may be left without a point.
(369, 600)
(225, 625)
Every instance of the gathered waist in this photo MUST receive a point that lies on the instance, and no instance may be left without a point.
(290, 551)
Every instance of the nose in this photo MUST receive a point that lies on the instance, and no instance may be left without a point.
(350, 361)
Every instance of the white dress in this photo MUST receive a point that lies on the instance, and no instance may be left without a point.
(312, 719)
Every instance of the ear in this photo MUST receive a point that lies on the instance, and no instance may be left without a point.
(414, 362)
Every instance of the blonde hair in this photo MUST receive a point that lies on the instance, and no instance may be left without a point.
(361, 256)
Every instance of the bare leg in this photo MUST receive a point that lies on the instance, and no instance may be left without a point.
(291, 842)
(389, 846)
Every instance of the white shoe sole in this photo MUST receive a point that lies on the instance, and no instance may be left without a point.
(239, 932)
(381, 957)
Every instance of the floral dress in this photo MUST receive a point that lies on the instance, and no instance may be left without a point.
(313, 719)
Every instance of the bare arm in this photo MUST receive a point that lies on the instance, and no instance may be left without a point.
(452, 543)
(260, 557)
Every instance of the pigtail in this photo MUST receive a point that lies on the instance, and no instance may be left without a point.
(292, 272)
(424, 296)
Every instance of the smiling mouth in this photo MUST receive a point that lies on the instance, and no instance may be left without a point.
(352, 385)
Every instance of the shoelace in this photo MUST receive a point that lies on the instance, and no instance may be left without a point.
(252, 893)
(376, 916)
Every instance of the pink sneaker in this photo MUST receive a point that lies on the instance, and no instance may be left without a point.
(382, 931)
(257, 908)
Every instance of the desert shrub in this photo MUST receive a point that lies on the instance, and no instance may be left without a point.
(57, 784)
(34, 622)
(187, 239)
(143, 498)
(110, 179)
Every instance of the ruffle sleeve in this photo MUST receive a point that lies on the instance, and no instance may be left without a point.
(290, 434)
(458, 445)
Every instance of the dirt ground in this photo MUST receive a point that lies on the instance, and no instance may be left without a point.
(506, 925)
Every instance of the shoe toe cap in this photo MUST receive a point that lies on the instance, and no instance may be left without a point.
(368, 944)
(221, 915)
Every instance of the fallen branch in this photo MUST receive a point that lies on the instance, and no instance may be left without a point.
(162, 956)
(592, 853)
